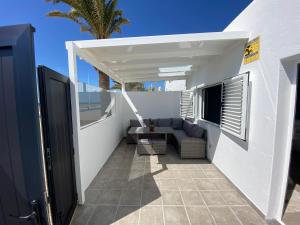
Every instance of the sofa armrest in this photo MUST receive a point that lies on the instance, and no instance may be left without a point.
(193, 148)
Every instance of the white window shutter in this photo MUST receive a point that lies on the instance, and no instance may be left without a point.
(234, 105)
(186, 104)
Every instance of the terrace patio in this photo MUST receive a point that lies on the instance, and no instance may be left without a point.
(237, 182)
(162, 190)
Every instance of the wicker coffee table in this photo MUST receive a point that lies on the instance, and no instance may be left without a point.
(151, 142)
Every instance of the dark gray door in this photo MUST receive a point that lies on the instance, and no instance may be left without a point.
(21, 176)
(57, 127)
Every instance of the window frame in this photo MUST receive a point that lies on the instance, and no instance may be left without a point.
(245, 106)
(201, 113)
(199, 105)
(192, 100)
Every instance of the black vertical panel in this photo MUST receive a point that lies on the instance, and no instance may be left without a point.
(9, 193)
(21, 175)
(55, 104)
(20, 159)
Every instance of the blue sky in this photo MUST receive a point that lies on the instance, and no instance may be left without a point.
(155, 17)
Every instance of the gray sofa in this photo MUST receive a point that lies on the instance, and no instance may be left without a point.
(189, 139)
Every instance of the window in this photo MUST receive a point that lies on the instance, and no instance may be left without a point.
(211, 103)
(234, 105)
(186, 104)
(226, 104)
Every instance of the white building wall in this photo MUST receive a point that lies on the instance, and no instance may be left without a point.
(249, 165)
(152, 105)
(175, 85)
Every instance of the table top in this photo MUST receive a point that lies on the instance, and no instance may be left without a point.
(145, 130)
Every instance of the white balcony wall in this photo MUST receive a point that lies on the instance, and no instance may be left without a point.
(151, 105)
(258, 166)
(97, 141)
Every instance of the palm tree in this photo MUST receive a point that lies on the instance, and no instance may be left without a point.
(100, 18)
(133, 86)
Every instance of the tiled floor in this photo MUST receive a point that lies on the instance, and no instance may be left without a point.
(162, 190)
(292, 212)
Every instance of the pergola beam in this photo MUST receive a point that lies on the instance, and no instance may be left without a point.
(164, 39)
(160, 55)
(124, 67)
(154, 78)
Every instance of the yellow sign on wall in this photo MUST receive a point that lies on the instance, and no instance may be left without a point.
(251, 52)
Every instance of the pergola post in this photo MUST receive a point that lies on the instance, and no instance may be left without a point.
(123, 87)
(75, 116)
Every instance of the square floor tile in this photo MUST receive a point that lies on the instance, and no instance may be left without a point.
(151, 197)
(213, 174)
(99, 183)
(82, 214)
(127, 215)
(223, 184)
(168, 184)
(199, 216)
(130, 197)
(175, 215)
(196, 173)
(192, 198)
(233, 198)
(205, 184)
(91, 196)
(135, 184)
(109, 197)
(171, 198)
(224, 216)
(248, 216)
(186, 184)
(150, 183)
(117, 184)
(103, 215)
(212, 198)
(151, 215)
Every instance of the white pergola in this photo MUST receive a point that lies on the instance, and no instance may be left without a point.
(152, 58)
(138, 59)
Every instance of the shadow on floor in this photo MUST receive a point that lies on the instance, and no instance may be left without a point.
(162, 190)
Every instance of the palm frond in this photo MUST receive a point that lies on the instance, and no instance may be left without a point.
(99, 17)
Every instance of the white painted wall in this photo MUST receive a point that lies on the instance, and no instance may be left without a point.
(151, 105)
(98, 141)
(175, 85)
(253, 165)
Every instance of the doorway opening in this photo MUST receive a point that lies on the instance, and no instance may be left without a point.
(291, 213)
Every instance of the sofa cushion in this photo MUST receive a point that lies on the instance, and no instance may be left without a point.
(179, 135)
(165, 122)
(187, 127)
(177, 123)
(197, 131)
(135, 123)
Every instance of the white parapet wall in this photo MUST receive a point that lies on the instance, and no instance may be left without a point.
(97, 141)
(258, 166)
(150, 105)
